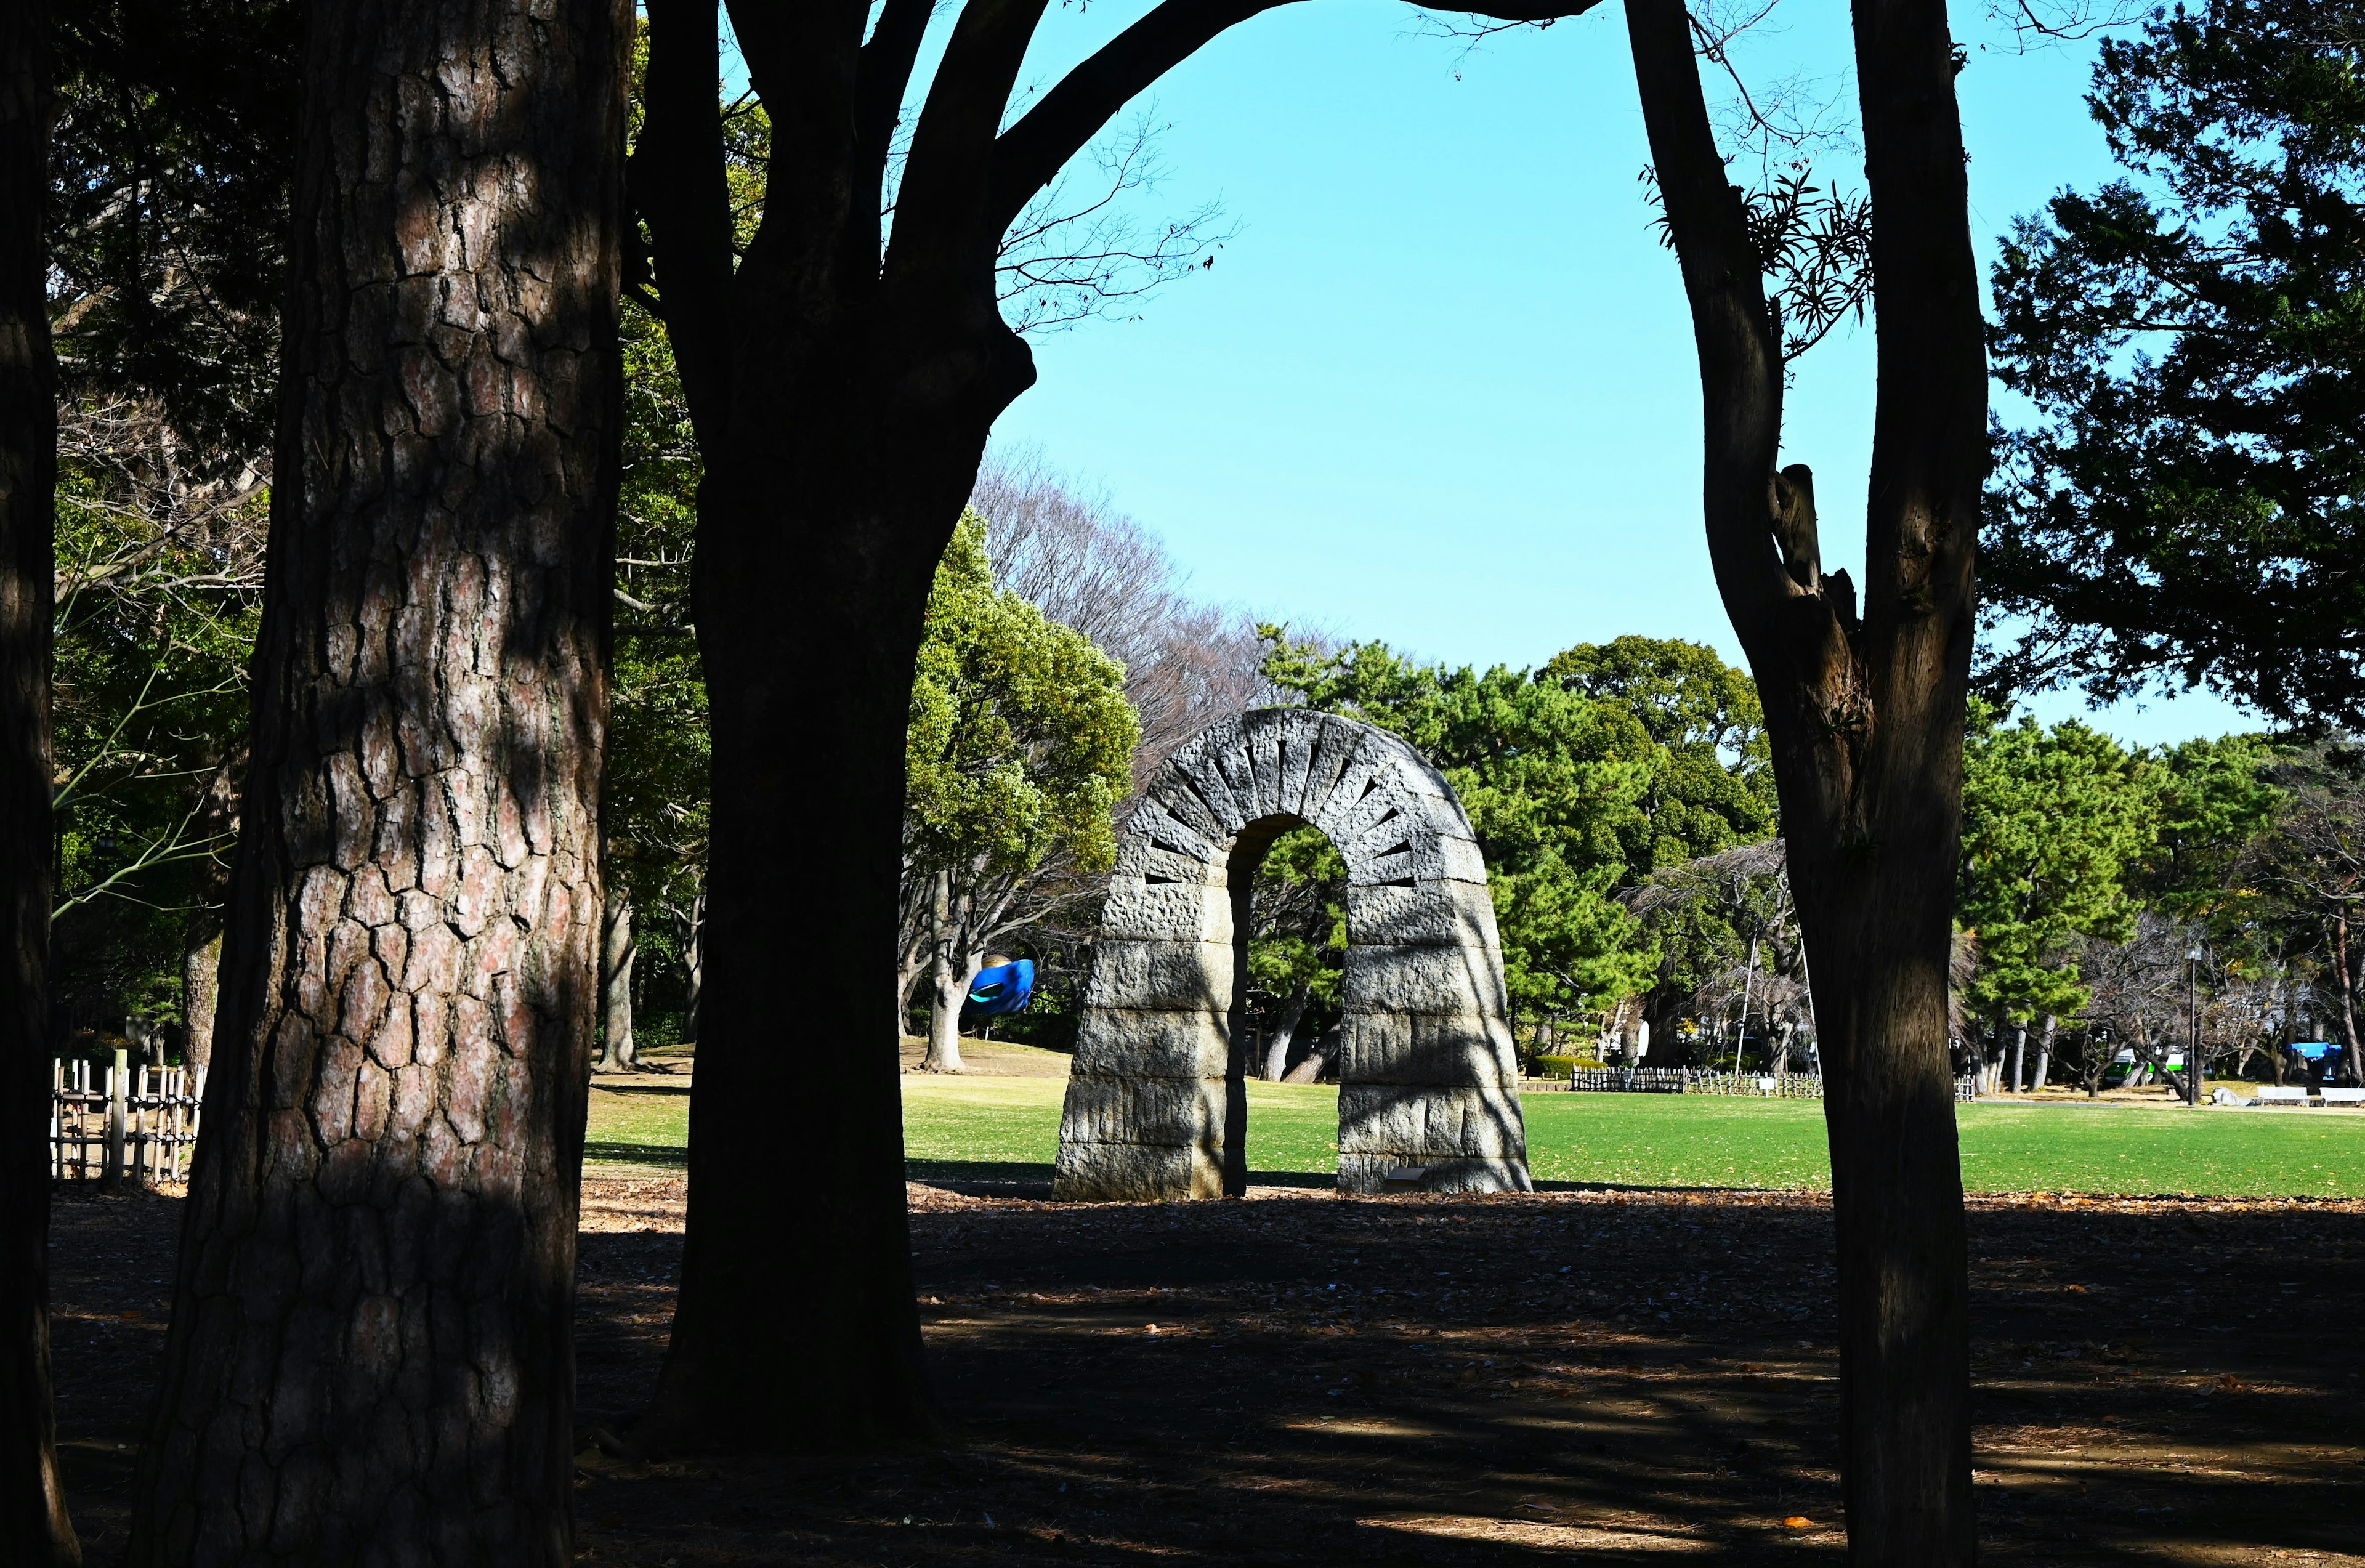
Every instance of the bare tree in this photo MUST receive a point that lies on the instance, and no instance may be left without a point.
(1079, 560)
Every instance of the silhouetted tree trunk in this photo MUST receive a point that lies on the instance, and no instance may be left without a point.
(1866, 719)
(617, 951)
(370, 1357)
(842, 399)
(33, 1522)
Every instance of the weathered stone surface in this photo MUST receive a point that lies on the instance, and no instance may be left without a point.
(1369, 1173)
(1428, 914)
(1138, 857)
(1132, 1173)
(1460, 981)
(1166, 912)
(1166, 831)
(1188, 976)
(1136, 1109)
(1337, 746)
(1116, 1042)
(1426, 1048)
(1301, 737)
(1430, 1120)
(1434, 860)
(1430, 1077)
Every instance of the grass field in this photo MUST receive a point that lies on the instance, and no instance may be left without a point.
(978, 1127)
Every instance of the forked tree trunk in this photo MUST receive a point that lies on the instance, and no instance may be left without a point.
(1865, 719)
(617, 952)
(33, 1522)
(370, 1357)
(1284, 1030)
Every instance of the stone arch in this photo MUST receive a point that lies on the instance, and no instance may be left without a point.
(1428, 1076)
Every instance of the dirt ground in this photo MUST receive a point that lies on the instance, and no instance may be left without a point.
(1595, 1376)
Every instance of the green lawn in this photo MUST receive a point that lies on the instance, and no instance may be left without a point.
(981, 1126)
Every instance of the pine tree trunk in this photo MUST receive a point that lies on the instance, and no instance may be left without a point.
(1864, 715)
(370, 1357)
(33, 1520)
(2043, 1053)
(617, 952)
(2019, 1056)
(201, 934)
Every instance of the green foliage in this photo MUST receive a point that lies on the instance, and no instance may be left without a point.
(1020, 739)
(1577, 780)
(658, 738)
(2189, 503)
(2053, 821)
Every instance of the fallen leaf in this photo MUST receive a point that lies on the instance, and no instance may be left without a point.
(1798, 1522)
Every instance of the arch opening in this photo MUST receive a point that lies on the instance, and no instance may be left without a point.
(1156, 1103)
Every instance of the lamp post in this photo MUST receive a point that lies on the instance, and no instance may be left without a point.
(2193, 1006)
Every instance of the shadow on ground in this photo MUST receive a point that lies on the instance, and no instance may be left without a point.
(1601, 1377)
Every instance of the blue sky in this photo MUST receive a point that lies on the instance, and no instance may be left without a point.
(1440, 387)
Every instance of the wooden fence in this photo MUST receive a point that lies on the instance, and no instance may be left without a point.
(109, 1124)
(1698, 1081)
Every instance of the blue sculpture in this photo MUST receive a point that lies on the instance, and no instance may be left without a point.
(1007, 987)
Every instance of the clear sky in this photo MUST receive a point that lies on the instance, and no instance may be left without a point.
(1439, 389)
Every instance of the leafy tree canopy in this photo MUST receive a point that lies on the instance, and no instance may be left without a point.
(2053, 820)
(1021, 738)
(1568, 783)
(2188, 502)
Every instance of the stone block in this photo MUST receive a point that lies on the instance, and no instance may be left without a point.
(1165, 911)
(1172, 789)
(1138, 857)
(1129, 1173)
(1430, 1122)
(1459, 982)
(1337, 746)
(1432, 914)
(1166, 831)
(1368, 1173)
(1261, 757)
(1183, 976)
(1301, 737)
(1412, 1049)
(1439, 860)
(1136, 1109)
(1399, 804)
(1111, 1042)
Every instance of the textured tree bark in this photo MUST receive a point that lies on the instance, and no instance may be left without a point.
(617, 951)
(1866, 719)
(370, 1357)
(2019, 1055)
(33, 1522)
(693, 963)
(2043, 1053)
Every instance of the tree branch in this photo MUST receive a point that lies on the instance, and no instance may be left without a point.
(1029, 154)
(680, 188)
